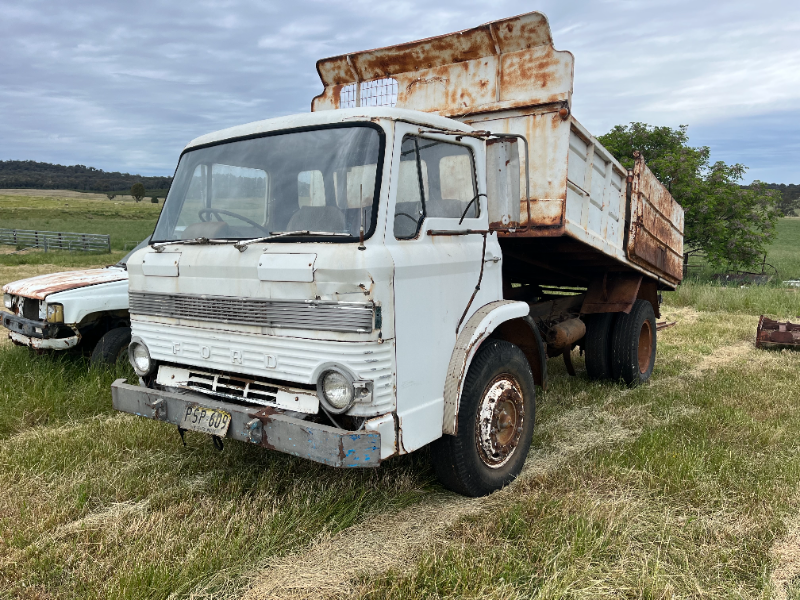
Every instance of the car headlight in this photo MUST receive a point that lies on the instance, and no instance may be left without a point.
(335, 390)
(8, 301)
(139, 356)
(55, 313)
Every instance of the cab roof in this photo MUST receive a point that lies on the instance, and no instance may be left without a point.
(344, 115)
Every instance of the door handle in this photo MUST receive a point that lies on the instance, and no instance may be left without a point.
(492, 259)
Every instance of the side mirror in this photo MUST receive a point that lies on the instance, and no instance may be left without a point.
(502, 183)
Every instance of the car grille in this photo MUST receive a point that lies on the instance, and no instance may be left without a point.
(294, 314)
(30, 308)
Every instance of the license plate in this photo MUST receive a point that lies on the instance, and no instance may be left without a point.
(206, 420)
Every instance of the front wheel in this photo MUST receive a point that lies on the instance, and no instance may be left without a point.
(495, 423)
(112, 347)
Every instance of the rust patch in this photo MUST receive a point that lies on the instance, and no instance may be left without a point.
(472, 64)
(655, 237)
(43, 285)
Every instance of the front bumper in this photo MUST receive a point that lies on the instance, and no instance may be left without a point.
(40, 335)
(44, 343)
(30, 327)
(262, 426)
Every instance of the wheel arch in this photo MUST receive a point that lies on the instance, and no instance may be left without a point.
(480, 327)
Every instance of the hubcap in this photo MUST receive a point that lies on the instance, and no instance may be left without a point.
(499, 421)
(645, 346)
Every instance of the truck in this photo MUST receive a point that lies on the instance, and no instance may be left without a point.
(392, 270)
(85, 310)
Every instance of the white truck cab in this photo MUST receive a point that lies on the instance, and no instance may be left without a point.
(335, 285)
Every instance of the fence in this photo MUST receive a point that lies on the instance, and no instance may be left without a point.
(56, 240)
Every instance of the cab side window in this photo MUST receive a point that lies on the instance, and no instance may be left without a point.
(437, 179)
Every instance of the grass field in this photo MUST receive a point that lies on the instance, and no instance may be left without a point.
(125, 220)
(782, 255)
(686, 487)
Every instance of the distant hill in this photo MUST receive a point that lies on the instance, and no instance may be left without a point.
(46, 176)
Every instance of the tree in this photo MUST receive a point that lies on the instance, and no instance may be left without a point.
(732, 224)
(137, 191)
(111, 195)
(790, 198)
(154, 200)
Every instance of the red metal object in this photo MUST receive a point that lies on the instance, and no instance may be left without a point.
(773, 334)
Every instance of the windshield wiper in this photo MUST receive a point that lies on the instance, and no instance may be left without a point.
(242, 245)
(158, 247)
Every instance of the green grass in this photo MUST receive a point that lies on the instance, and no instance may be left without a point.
(124, 221)
(779, 302)
(784, 253)
(51, 389)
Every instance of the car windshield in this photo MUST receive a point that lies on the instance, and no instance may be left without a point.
(322, 183)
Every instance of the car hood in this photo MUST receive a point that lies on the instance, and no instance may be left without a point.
(43, 285)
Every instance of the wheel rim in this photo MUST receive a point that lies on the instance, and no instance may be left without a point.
(645, 346)
(499, 421)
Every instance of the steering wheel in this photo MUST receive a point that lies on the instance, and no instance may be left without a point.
(402, 214)
(218, 211)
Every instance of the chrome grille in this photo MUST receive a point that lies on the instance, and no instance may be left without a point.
(294, 314)
(231, 387)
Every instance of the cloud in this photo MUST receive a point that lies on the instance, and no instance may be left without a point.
(125, 86)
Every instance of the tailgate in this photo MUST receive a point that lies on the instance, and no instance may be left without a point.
(655, 234)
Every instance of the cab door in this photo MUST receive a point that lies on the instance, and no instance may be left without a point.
(437, 185)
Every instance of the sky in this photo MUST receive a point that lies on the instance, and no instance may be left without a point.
(123, 86)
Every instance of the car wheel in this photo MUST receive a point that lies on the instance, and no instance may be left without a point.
(112, 347)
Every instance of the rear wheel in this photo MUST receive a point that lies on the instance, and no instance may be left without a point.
(597, 345)
(633, 345)
(495, 423)
(112, 347)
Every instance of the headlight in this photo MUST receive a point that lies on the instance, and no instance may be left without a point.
(8, 301)
(55, 313)
(336, 391)
(139, 356)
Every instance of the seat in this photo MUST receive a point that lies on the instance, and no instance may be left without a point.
(317, 218)
(207, 229)
(446, 207)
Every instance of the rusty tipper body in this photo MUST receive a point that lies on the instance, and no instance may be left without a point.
(395, 268)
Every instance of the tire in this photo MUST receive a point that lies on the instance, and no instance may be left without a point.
(112, 347)
(488, 453)
(599, 330)
(633, 344)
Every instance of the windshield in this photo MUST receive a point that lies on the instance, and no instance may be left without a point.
(318, 182)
